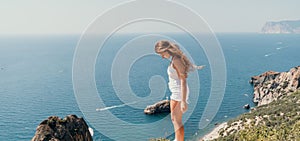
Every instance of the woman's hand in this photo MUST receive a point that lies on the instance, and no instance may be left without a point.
(200, 67)
(183, 106)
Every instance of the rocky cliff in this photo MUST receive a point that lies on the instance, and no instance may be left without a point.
(277, 115)
(272, 85)
(281, 27)
(71, 128)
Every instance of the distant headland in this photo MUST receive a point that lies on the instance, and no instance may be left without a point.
(285, 27)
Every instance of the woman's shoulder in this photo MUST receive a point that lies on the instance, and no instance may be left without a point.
(177, 63)
(176, 60)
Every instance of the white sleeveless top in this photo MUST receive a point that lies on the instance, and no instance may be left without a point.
(174, 81)
(174, 84)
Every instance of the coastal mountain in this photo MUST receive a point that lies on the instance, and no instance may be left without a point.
(277, 115)
(281, 27)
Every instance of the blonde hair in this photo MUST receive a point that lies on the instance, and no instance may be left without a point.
(174, 50)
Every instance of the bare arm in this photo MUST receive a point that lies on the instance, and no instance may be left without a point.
(183, 89)
(179, 67)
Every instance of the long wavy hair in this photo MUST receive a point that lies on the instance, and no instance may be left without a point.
(174, 50)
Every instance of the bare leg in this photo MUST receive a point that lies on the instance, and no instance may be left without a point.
(176, 116)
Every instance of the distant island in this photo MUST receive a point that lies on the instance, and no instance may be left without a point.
(286, 27)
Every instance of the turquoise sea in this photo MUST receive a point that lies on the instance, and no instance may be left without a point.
(36, 81)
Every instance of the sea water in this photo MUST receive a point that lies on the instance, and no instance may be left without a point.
(36, 81)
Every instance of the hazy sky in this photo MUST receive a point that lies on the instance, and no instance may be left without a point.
(73, 16)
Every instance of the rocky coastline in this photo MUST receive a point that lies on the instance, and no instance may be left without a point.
(272, 85)
(277, 95)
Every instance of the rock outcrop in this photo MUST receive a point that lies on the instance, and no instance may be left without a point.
(71, 128)
(281, 27)
(159, 107)
(246, 106)
(272, 85)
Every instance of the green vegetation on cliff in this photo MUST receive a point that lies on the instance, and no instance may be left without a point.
(278, 120)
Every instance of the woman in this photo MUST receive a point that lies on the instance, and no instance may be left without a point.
(178, 73)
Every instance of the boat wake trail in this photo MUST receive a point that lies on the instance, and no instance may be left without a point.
(115, 106)
(267, 55)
